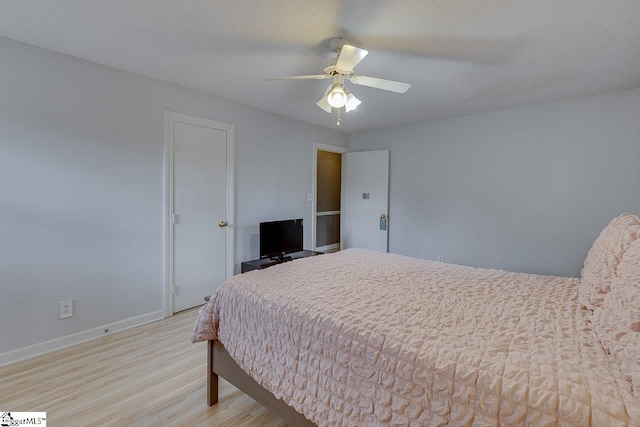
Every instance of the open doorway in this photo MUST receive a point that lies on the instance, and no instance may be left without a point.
(328, 197)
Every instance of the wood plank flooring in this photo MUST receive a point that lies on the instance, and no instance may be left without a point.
(147, 376)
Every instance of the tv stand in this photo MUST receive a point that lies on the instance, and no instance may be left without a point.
(282, 258)
(262, 263)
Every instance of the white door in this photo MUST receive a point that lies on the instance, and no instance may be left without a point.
(366, 200)
(200, 210)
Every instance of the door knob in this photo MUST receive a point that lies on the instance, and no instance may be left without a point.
(222, 224)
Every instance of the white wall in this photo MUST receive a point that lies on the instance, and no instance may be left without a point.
(526, 189)
(81, 186)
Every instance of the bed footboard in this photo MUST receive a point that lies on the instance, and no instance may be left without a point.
(219, 362)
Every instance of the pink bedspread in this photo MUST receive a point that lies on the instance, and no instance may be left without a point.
(364, 338)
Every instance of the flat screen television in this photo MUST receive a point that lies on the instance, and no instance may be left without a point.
(279, 238)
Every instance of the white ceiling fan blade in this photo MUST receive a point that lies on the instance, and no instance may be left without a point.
(324, 101)
(307, 77)
(378, 83)
(349, 57)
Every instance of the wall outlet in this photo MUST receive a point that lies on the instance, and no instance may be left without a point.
(66, 309)
(440, 258)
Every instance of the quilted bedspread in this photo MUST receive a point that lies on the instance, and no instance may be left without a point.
(365, 338)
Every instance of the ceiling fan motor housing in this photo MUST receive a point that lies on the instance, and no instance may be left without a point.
(337, 43)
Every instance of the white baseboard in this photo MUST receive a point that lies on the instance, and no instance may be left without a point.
(33, 350)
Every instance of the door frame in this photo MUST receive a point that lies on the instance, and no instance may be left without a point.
(170, 118)
(319, 146)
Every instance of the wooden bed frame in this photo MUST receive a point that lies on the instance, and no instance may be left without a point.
(219, 362)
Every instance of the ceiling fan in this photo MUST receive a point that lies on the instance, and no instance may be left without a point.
(337, 96)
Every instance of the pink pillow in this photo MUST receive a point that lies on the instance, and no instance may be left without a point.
(629, 266)
(624, 298)
(603, 258)
(610, 288)
(624, 301)
(621, 343)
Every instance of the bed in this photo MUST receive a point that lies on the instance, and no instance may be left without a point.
(360, 337)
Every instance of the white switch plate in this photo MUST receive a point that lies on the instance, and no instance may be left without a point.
(66, 309)
(309, 197)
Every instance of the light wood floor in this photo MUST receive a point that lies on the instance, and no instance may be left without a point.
(147, 376)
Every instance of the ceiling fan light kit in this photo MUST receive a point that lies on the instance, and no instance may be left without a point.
(342, 68)
(337, 96)
(352, 103)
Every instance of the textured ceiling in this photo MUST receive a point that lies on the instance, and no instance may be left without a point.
(461, 56)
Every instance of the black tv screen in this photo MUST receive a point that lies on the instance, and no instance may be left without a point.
(278, 238)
